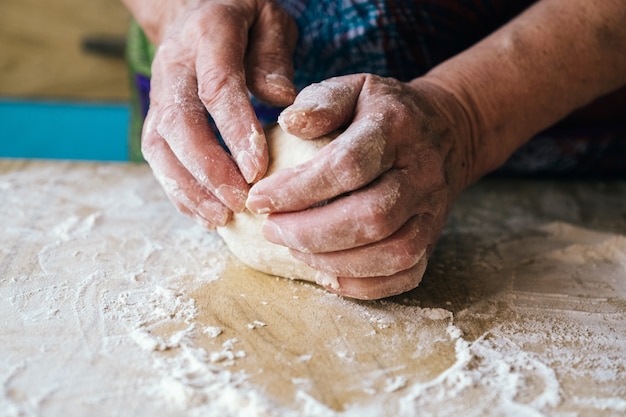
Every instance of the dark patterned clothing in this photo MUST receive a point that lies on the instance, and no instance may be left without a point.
(404, 39)
(398, 38)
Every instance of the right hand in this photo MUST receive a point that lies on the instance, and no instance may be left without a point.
(211, 53)
(366, 211)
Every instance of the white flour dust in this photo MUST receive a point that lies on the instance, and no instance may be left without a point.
(96, 284)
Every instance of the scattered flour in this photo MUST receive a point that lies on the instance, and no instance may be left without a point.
(99, 320)
(212, 331)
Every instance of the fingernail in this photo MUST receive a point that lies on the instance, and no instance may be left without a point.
(327, 280)
(259, 204)
(295, 117)
(272, 232)
(280, 82)
(248, 166)
(232, 197)
(212, 212)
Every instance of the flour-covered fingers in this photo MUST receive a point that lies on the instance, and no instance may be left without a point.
(322, 108)
(181, 187)
(358, 219)
(221, 41)
(268, 62)
(354, 159)
(178, 116)
(399, 252)
(374, 288)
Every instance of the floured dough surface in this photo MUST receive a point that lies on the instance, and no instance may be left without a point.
(243, 234)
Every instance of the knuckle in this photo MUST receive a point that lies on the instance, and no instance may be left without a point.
(347, 170)
(216, 88)
(410, 252)
(210, 85)
(146, 150)
(180, 207)
(175, 121)
(164, 122)
(375, 224)
(149, 146)
(411, 246)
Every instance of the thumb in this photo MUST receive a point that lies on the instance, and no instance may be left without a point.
(269, 60)
(324, 107)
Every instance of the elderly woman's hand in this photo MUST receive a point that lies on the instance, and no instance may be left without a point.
(389, 179)
(211, 53)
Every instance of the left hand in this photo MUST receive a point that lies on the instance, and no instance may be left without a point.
(390, 179)
(211, 54)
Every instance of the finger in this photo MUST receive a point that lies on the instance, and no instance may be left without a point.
(355, 158)
(180, 187)
(399, 252)
(222, 84)
(269, 63)
(363, 217)
(177, 115)
(374, 288)
(323, 107)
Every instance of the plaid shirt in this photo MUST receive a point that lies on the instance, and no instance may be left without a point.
(402, 39)
(393, 38)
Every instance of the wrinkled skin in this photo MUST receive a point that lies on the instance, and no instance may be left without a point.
(393, 159)
(210, 54)
(408, 149)
(391, 177)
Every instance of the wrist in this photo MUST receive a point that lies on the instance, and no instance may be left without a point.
(459, 133)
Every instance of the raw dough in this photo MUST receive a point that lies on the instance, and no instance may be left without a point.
(243, 234)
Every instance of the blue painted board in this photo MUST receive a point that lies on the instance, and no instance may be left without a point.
(64, 130)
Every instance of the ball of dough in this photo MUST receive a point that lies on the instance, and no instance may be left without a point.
(243, 234)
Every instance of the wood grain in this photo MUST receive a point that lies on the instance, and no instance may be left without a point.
(41, 54)
(502, 277)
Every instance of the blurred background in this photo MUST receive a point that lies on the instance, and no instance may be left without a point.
(64, 86)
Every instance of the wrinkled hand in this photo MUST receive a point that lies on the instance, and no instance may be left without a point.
(209, 57)
(389, 179)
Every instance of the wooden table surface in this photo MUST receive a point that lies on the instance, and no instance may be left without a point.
(112, 303)
(42, 53)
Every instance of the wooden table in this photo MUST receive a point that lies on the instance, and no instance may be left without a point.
(111, 303)
(42, 54)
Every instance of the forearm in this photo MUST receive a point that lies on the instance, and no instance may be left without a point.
(556, 57)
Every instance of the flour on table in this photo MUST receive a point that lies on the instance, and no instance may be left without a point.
(104, 313)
